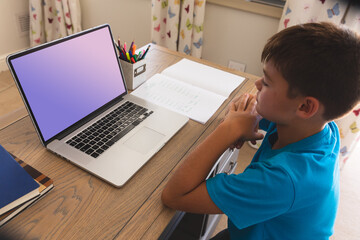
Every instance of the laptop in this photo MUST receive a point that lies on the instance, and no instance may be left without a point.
(75, 92)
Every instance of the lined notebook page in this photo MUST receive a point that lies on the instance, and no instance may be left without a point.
(196, 103)
(190, 88)
(205, 77)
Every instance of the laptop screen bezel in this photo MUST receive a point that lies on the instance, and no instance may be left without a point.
(85, 119)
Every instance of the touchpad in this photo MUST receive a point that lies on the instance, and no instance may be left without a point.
(144, 140)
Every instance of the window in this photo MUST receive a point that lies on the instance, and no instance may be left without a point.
(275, 3)
(252, 6)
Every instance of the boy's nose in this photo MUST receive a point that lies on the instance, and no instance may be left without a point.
(258, 84)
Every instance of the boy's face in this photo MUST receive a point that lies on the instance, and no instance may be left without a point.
(273, 102)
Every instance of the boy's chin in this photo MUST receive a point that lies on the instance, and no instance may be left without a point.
(264, 115)
(258, 110)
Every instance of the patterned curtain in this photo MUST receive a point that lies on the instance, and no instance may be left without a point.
(335, 11)
(178, 25)
(52, 19)
(345, 13)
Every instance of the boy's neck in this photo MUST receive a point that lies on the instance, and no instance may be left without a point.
(291, 133)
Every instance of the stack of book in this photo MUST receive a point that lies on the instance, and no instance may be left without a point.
(20, 185)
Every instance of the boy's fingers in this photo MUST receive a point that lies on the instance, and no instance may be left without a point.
(232, 106)
(236, 99)
(243, 101)
(251, 106)
(258, 136)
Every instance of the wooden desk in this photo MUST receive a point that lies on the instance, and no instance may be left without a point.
(82, 206)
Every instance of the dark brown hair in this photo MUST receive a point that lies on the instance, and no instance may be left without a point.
(319, 60)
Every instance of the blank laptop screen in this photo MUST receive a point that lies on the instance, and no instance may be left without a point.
(67, 81)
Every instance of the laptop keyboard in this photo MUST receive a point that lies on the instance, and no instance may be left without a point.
(98, 137)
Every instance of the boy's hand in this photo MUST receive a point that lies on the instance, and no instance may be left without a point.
(243, 120)
(186, 189)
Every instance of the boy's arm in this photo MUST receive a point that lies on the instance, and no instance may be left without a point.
(186, 190)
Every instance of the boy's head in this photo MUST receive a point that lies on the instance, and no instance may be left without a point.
(319, 60)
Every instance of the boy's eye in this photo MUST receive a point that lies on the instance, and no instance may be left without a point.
(264, 83)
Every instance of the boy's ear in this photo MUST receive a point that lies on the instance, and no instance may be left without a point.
(308, 107)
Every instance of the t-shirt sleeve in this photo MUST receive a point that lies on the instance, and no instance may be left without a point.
(260, 193)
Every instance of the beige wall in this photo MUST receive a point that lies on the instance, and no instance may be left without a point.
(229, 34)
(10, 37)
(129, 19)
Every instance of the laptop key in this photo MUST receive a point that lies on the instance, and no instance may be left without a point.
(120, 135)
(80, 145)
(104, 147)
(98, 137)
(86, 147)
(109, 143)
(99, 151)
(89, 151)
(137, 122)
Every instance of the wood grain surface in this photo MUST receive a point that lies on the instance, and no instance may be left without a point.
(82, 206)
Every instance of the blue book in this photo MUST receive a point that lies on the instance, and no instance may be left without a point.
(16, 185)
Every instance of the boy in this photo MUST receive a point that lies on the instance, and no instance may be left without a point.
(290, 190)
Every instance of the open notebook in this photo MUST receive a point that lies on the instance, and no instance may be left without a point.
(190, 88)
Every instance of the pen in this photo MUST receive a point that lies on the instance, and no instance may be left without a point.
(147, 49)
(131, 56)
(119, 43)
(131, 46)
(118, 48)
(123, 57)
(140, 54)
(123, 51)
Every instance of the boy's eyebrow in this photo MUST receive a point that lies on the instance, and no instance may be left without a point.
(267, 75)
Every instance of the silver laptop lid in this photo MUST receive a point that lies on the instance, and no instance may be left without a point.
(68, 81)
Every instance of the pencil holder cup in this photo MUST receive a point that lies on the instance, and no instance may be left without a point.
(134, 73)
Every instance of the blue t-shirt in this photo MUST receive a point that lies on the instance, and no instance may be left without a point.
(287, 193)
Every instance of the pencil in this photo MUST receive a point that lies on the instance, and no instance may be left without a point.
(147, 49)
